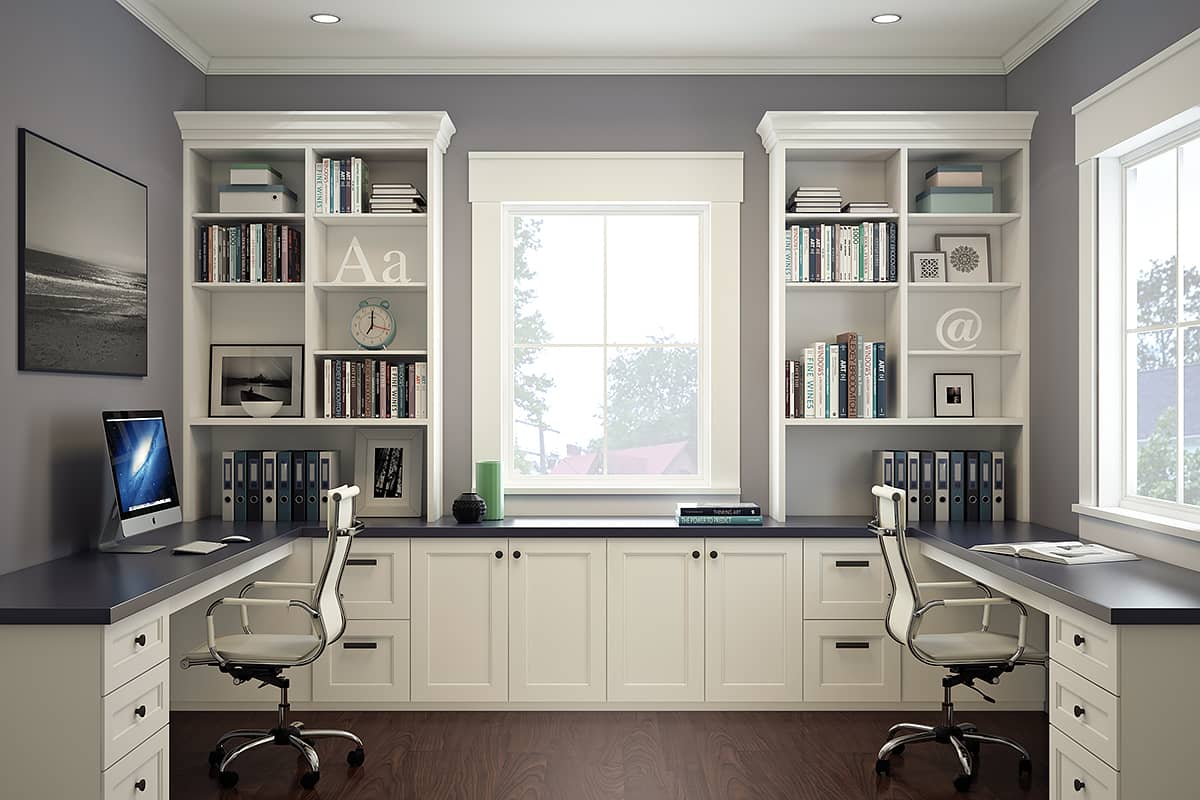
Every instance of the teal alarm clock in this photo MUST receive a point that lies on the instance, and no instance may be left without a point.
(373, 326)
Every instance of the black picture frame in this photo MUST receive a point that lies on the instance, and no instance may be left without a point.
(75, 360)
(294, 351)
(965, 384)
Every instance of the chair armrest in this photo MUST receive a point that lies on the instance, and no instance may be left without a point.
(986, 604)
(954, 585)
(247, 602)
(253, 585)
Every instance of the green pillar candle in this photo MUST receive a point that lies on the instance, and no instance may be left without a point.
(489, 486)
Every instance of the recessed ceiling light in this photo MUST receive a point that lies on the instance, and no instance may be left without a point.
(885, 19)
(325, 19)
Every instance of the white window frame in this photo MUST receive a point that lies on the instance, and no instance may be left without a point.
(501, 184)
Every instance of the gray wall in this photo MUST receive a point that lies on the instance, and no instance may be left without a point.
(1110, 39)
(88, 75)
(606, 113)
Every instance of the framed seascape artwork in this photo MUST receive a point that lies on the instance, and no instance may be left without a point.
(387, 467)
(255, 373)
(81, 273)
(968, 256)
(954, 394)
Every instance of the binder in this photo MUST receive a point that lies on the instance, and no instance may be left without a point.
(971, 506)
(900, 460)
(998, 489)
(268, 486)
(914, 485)
(958, 504)
(941, 486)
(283, 484)
(254, 512)
(239, 486)
(884, 463)
(299, 505)
(227, 486)
(328, 461)
(928, 511)
(985, 486)
(312, 486)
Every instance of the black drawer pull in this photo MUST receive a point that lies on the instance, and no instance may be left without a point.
(499, 554)
(140, 711)
(1079, 640)
(1079, 785)
(851, 645)
(1079, 711)
(712, 553)
(516, 553)
(852, 563)
(695, 554)
(140, 785)
(360, 645)
(140, 640)
(361, 562)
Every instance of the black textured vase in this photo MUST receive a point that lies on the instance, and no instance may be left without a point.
(469, 507)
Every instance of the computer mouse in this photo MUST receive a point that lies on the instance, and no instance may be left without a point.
(236, 537)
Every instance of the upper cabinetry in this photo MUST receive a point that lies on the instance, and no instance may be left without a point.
(820, 465)
(338, 261)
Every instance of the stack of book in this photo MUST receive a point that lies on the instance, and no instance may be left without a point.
(868, 207)
(946, 485)
(340, 183)
(374, 389)
(815, 200)
(255, 252)
(955, 189)
(862, 253)
(718, 514)
(276, 485)
(837, 380)
(396, 198)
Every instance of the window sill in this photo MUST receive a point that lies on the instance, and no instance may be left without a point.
(1157, 523)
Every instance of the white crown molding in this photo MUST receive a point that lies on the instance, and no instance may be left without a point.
(149, 15)
(1138, 71)
(1044, 31)
(889, 128)
(199, 127)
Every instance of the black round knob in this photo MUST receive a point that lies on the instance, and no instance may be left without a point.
(140, 785)
(1079, 711)
(1079, 640)
(499, 554)
(1079, 785)
(140, 711)
(695, 554)
(712, 553)
(516, 553)
(140, 640)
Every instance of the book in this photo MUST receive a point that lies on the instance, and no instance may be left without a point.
(810, 391)
(843, 380)
(1058, 552)
(880, 372)
(718, 510)
(850, 343)
(719, 520)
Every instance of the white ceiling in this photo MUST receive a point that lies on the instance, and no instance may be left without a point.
(606, 36)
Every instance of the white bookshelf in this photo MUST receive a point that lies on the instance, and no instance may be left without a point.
(406, 146)
(824, 466)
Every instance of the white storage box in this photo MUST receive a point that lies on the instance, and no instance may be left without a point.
(254, 175)
(242, 199)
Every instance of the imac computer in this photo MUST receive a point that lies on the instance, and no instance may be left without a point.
(146, 496)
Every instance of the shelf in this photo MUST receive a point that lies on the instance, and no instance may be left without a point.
(970, 220)
(843, 286)
(935, 288)
(381, 220)
(965, 353)
(360, 288)
(223, 286)
(365, 353)
(301, 422)
(839, 217)
(297, 216)
(908, 422)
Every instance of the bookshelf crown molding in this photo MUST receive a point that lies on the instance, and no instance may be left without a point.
(834, 129)
(198, 127)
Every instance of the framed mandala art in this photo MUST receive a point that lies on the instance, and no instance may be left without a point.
(929, 267)
(967, 256)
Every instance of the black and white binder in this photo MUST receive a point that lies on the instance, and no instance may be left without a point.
(268, 485)
(958, 486)
(971, 509)
(885, 468)
(941, 486)
(239, 486)
(299, 505)
(914, 485)
(985, 486)
(283, 484)
(998, 487)
(328, 460)
(927, 483)
(227, 486)
(254, 486)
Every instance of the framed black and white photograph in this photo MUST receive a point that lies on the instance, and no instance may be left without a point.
(256, 373)
(953, 394)
(387, 468)
(968, 256)
(81, 276)
(929, 267)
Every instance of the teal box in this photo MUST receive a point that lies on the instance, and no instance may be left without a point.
(956, 200)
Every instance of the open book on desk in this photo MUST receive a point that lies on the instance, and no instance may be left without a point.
(1058, 552)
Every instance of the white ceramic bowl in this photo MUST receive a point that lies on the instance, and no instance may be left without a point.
(262, 408)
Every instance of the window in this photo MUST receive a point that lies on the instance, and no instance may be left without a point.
(1162, 325)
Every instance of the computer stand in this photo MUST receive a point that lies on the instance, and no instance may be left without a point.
(111, 540)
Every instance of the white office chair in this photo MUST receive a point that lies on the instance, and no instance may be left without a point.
(250, 656)
(969, 656)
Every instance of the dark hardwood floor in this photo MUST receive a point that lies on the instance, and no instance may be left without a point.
(634, 755)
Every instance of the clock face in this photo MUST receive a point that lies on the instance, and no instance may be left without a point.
(373, 327)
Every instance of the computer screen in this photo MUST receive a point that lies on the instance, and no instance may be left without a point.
(143, 476)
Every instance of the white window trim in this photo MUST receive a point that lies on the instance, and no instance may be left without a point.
(501, 183)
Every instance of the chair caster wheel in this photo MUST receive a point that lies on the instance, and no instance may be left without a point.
(216, 757)
(309, 779)
(356, 757)
(228, 779)
(883, 767)
(1025, 773)
(962, 783)
(972, 747)
(898, 751)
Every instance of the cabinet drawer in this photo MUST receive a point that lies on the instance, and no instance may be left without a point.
(134, 645)
(368, 664)
(844, 579)
(1086, 713)
(850, 660)
(134, 711)
(141, 775)
(1076, 774)
(375, 582)
(1089, 647)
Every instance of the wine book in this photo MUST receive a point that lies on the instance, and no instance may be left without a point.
(1058, 552)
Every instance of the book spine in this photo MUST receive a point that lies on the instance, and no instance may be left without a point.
(843, 380)
(327, 385)
(892, 246)
(718, 511)
(880, 379)
(345, 186)
(787, 255)
(319, 188)
(868, 375)
(716, 520)
(819, 380)
(848, 353)
(810, 391)
(788, 409)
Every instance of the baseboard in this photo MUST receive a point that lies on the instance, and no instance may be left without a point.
(299, 706)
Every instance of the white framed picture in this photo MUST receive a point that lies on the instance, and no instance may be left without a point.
(255, 373)
(968, 256)
(387, 468)
(954, 394)
(929, 267)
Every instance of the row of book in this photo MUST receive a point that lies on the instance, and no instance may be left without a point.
(866, 252)
(946, 485)
(277, 485)
(718, 514)
(837, 380)
(396, 198)
(815, 200)
(375, 389)
(253, 252)
(340, 184)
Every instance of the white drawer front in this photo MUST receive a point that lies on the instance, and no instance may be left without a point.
(850, 660)
(1076, 774)
(844, 579)
(141, 775)
(369, 663)
(134, 645)
(375, 581)
(1089, 647)
(1086, 713)
(134, 711)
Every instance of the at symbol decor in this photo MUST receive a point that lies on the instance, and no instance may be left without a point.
(968, 256)
(959, 329)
